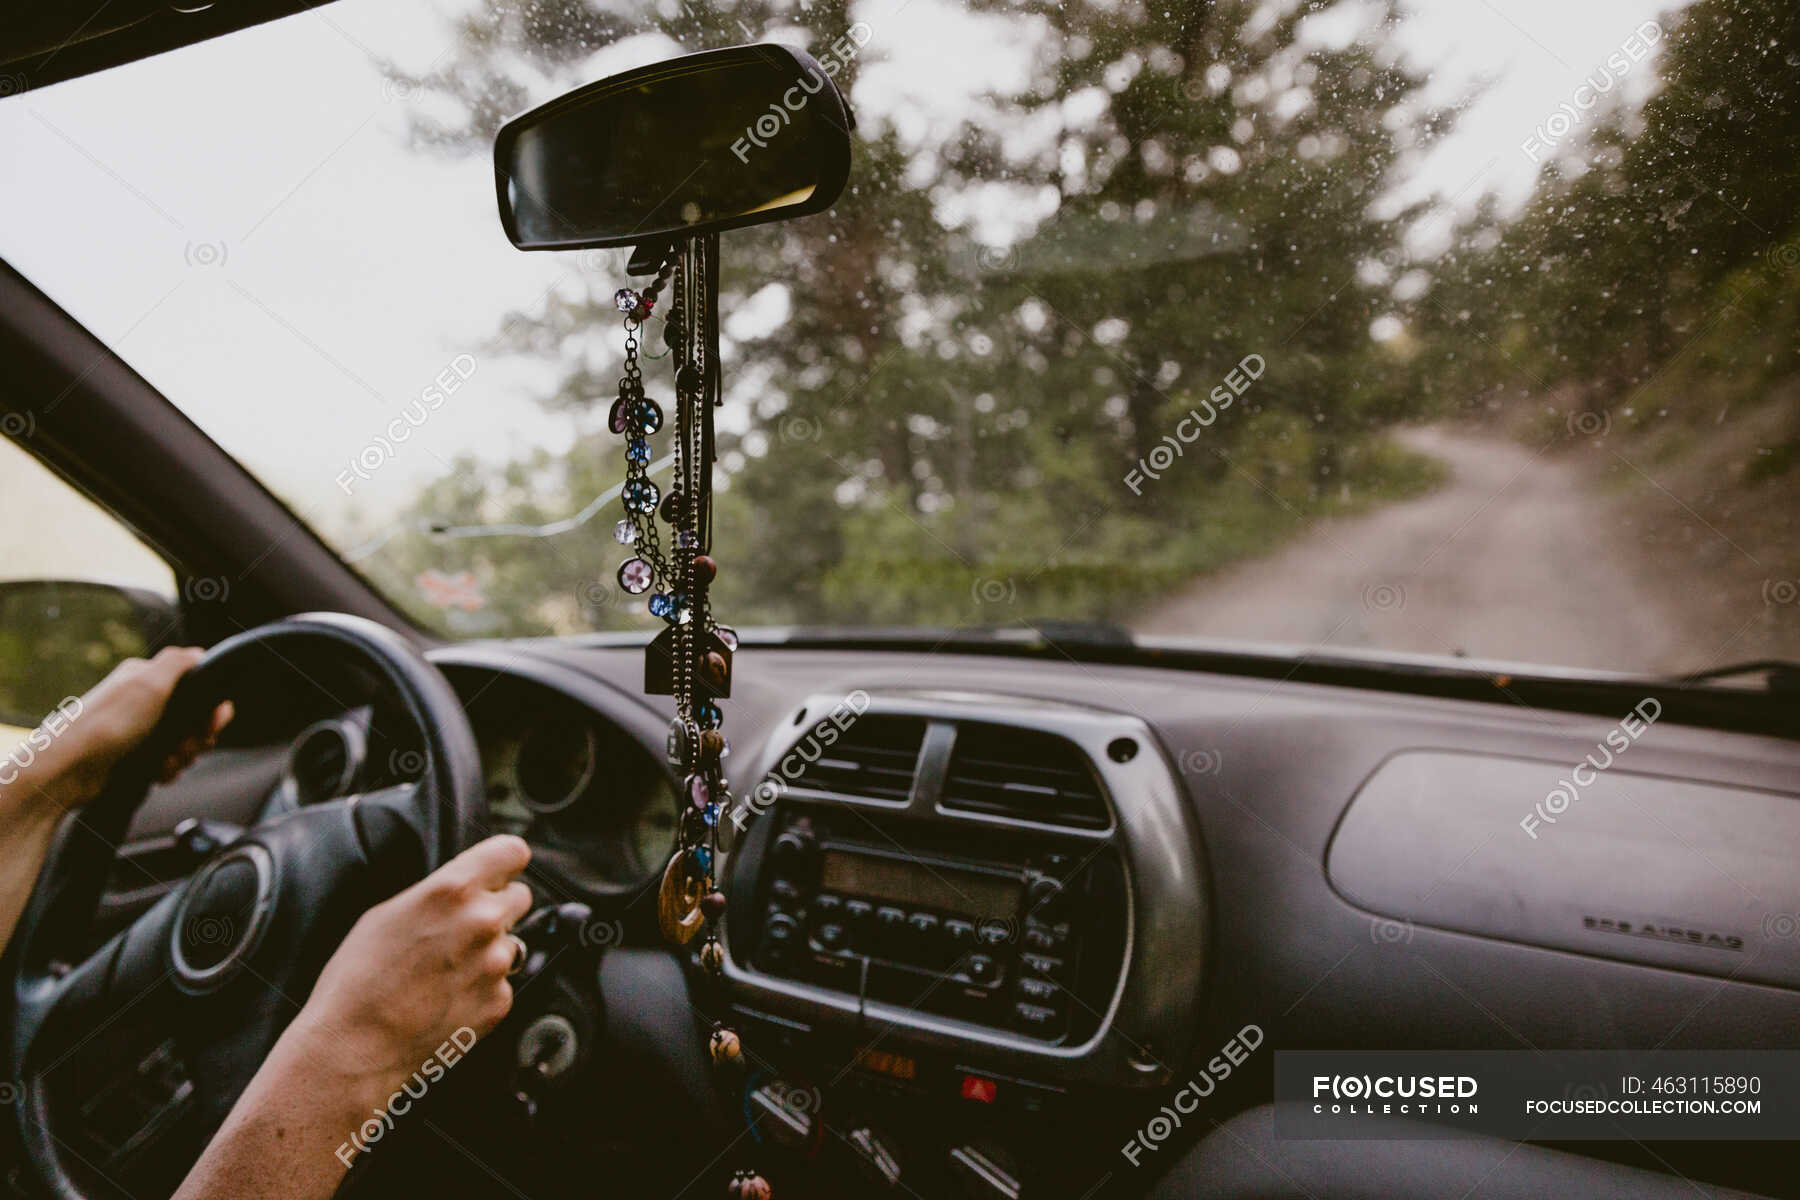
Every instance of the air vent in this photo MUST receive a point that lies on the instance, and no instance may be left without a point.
(874, 757)
(1023, 774)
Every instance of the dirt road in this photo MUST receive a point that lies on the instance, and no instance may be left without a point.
(1514, 557)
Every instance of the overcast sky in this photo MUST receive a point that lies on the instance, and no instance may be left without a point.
(243, 223)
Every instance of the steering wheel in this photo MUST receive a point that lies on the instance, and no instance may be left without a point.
(154, 1035)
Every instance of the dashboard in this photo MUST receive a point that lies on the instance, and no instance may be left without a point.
(592, 799)
(989, 912)
(597, 806)
(1340, 867)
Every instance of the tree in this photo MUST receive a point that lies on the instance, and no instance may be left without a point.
(943, 427)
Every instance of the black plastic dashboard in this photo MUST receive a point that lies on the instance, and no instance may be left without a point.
(1341, 867)
(1269, 770)
(1264, 772)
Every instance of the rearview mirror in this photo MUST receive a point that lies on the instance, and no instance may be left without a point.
(707, 142)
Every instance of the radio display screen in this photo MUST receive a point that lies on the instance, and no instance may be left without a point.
(912, 883)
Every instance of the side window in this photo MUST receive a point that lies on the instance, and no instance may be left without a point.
(78, 592)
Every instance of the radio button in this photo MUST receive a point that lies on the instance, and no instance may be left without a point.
(980, 968)
(858, 912)
(1043, 895)
(890, 919)
(796, 849)
(993, 932)
(785, 891)
(825, 905)
(1038, 989)
(831, 936)
(922, 924)
(959, 933)
(1036, 1018)
(1043, 965)
(779, 933)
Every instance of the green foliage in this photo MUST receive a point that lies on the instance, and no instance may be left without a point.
(904, 570)
(941, 421)
(1658, 227)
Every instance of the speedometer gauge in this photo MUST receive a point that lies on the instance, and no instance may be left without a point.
(556, 763)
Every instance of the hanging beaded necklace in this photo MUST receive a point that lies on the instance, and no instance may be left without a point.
(690, 659)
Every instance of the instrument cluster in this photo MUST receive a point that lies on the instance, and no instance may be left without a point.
(596, 806)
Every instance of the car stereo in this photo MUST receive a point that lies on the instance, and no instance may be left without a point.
(1012, 933)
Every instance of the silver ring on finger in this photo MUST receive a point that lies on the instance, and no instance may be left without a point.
(520, 953)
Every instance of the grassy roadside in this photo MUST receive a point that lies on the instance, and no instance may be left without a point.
(1704, 461)
(1113, 564)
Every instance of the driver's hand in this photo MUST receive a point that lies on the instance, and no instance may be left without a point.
(115, 715)
(417, 968)
(414, 971)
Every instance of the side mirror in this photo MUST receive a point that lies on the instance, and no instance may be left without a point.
(60, 637)
(699, 144)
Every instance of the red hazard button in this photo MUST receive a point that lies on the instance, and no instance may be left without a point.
(974, 1087)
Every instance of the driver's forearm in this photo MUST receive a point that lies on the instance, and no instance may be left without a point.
(30, 807)
(285, 1137)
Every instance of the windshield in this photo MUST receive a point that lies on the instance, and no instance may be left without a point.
(1435, 327)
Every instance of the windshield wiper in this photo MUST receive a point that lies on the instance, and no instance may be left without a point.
(1777, 675)
(1696, 699)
